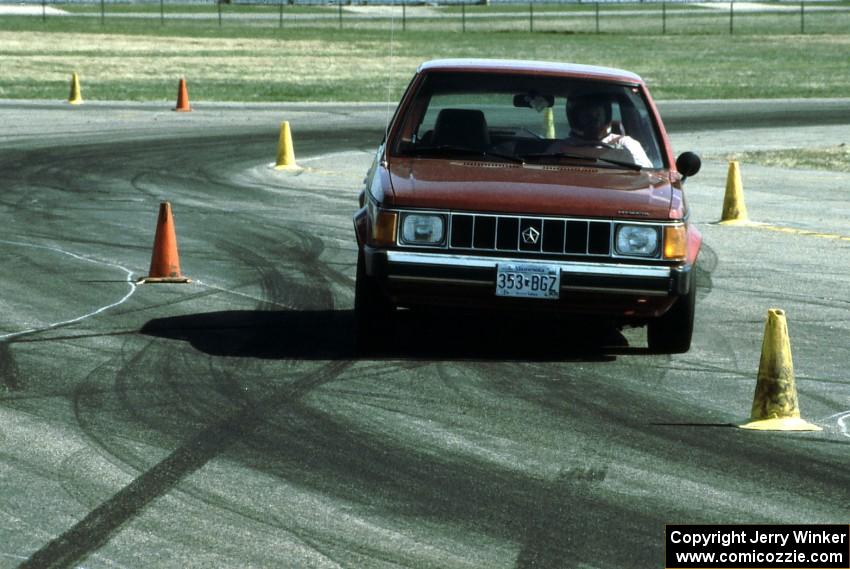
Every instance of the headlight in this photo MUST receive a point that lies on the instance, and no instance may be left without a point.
(637, 240)
(422, 229)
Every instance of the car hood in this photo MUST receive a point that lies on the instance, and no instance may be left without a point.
(506, 187)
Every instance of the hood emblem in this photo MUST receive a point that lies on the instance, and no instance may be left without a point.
(530, 236)
(633, 212)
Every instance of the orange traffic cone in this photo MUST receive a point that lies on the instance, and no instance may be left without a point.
(165, 262)
(182, 97)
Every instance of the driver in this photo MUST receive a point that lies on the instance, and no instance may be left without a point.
(590, 124)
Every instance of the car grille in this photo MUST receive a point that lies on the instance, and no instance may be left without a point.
(521, 234)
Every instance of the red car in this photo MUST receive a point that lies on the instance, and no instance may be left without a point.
(522, 186)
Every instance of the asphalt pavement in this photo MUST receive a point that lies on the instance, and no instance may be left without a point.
(228, 422)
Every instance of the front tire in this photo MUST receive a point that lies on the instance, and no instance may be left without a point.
(672, 332)
(374, 315)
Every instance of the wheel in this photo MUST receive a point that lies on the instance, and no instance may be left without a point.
(672, 332)
(373, 313)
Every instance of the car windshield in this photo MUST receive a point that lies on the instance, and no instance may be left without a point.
(529, 118)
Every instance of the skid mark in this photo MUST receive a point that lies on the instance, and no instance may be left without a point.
(241, 424)
(8, 368)
(123, 299)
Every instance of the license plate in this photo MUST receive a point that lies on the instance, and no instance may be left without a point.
(527, 280)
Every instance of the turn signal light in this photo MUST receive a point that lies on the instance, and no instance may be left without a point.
(675, 242)
(384, 228)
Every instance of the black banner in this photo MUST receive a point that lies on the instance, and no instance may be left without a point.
(757, 546)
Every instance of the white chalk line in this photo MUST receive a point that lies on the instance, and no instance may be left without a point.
(244, 295)
(310, 159)
(124, 299)
(130, 281)
(843, 421)
(333, 155)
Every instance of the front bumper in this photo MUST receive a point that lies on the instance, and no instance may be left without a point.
(626, 289)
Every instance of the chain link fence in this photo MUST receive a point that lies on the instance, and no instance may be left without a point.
(566, 17)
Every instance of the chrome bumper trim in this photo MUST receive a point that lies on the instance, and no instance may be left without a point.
(567, 267)
(633, 291)
(441, 280)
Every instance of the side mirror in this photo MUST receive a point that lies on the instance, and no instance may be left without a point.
(688, 164)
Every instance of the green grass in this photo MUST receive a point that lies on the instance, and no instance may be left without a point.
(141, 59)
(832, 158)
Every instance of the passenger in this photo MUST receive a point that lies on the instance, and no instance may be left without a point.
(590, 124)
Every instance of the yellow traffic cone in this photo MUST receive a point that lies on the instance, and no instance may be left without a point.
(285, 152)
(734, 210)
(75, 98)
(775, 406)
(549, 123)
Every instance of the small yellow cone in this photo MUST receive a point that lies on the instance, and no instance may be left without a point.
(285, 152)
(775, 406)
(549, 123)
(75, 98)
(734, 209)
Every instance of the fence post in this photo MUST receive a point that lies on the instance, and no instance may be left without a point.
(219, 12)
(403, 16)
(280, 15)
(663, 18)
(161, 12)
(340, 14)
(102, 12)
(531, 16)
(731, 17)
(802, 16)
(597, 17)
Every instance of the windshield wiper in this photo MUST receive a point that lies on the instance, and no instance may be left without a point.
(577, 156)
(449, 148)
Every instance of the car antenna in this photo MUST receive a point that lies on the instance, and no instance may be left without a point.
(390, 68)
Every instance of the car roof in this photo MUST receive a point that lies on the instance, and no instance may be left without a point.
(524, 66)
